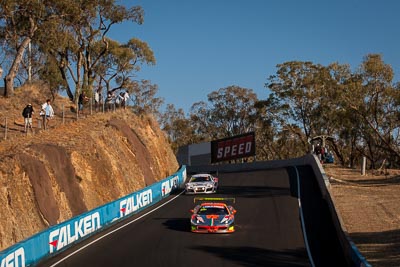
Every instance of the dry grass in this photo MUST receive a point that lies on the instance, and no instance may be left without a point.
(370, 210)
(36, 94)
(369, 205)
(108, 155)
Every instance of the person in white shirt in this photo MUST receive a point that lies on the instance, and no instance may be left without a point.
(96, 100)
(126, 99)
(47, 113)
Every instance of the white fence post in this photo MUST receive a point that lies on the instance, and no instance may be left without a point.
(5, 129)
(364, 164)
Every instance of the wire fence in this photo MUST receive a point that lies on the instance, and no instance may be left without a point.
(13, 126)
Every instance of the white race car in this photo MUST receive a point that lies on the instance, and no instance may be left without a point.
(203, 183)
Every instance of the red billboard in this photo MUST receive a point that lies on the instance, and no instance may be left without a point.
(235, 147)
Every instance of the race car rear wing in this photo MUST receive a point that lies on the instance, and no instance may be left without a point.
(214, 199)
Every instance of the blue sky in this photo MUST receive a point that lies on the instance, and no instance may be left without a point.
(204, 45)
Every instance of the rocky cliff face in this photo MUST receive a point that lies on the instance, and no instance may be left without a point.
(53, 175)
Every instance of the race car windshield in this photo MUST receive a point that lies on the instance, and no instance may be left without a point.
(213, 211)
(200, 179)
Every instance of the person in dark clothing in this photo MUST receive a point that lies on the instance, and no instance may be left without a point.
(81, 101)
(109, 101)
(27, 114)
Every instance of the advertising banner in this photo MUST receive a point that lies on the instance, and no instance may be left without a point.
(235, 147)
(61, 236)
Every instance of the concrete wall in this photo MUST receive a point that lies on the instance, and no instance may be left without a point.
(195, 154)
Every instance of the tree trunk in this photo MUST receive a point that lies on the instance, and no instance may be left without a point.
(339, 154)
(67, 87)
(9, 79)
(9, 85)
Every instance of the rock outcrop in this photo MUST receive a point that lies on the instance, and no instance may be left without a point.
(53, 175)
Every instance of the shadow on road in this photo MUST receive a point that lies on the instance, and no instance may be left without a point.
(252, 256)
(254, 191)
(178, 224)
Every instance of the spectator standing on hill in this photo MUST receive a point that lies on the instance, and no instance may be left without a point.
(318, 151)
(323, 154)
(96, 100)
(109, 100)
(47, 113)
(101, 101)
(126, 99)
(119, 99)
(81, 101)
(27, 114)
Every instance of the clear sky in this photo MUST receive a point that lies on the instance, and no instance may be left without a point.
(204, 45)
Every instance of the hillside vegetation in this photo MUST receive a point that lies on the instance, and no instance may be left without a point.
(50, 176)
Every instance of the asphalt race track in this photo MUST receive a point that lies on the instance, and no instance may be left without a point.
(268, 229)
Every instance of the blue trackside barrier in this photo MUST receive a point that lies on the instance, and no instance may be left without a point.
(66, 234)
(357, 257)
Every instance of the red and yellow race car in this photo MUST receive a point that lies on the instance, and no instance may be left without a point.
(213, 215)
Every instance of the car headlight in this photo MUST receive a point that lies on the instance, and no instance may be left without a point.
(209, 185)
(226, 219)
(189, 186)
(197, 219)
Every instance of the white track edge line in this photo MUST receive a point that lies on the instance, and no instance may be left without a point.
(113, 231)
(303, 225)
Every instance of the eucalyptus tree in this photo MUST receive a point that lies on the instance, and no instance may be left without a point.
(229, 111)
(375, 102)
(199, 116)
(69, 31)
(336, 120)
(168, 119)
(310, 101)
(288, 142)
(299, 86)
(382, 99)
(120, 63)
(143, 94)
(81, 46)
(177, 127)
(19, 23)
(232, 110)
(268, 123)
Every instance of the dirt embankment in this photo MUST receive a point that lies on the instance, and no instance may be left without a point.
(53, 175)
(370, 210)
